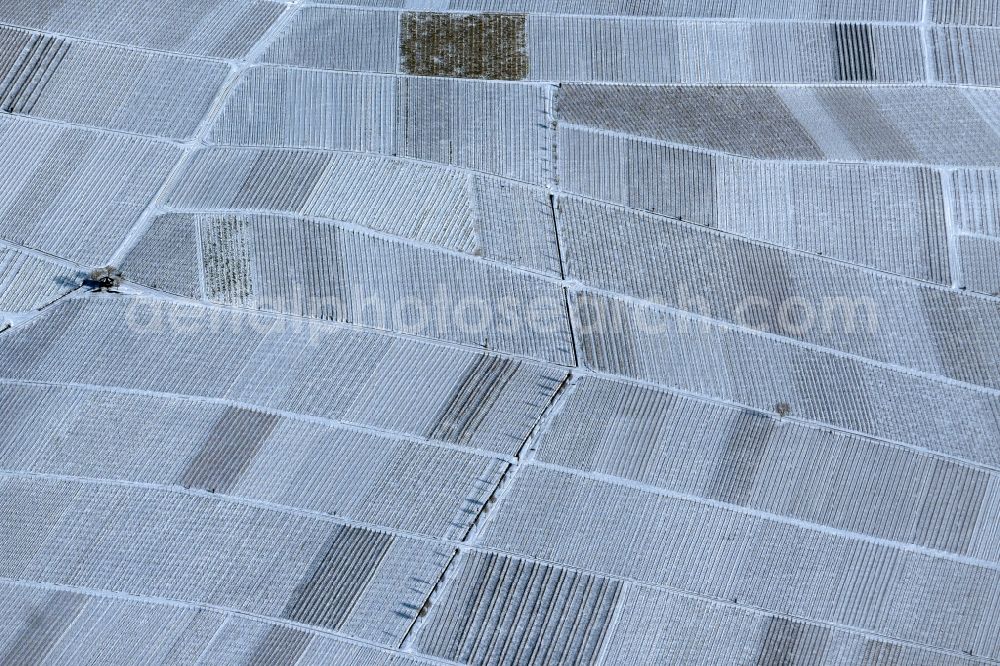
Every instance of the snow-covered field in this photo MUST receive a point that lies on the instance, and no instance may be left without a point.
(500, 332)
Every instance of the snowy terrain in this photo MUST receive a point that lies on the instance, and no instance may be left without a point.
(500, 332)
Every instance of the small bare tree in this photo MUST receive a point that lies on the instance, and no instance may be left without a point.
(106, 278)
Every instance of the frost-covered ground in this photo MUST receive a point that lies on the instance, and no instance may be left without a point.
(500, 332)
